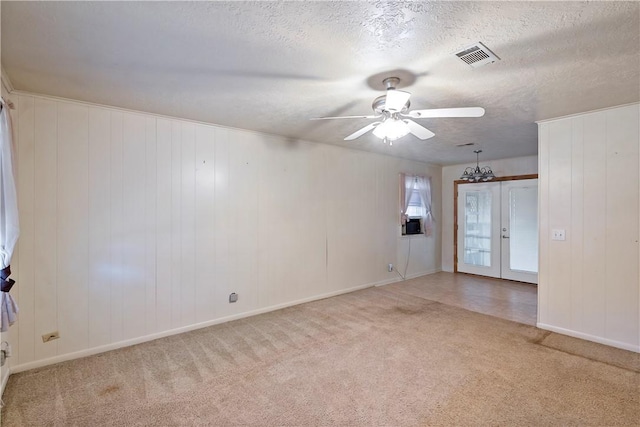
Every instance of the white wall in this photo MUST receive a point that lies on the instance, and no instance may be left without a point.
(136, 226)
(505, 167)
(589, 283)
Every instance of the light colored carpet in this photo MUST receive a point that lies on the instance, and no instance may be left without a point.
(602, 353)
(370, 358)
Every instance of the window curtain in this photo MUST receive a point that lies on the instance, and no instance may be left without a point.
(9, 229)
(406, 188)
(423, 186)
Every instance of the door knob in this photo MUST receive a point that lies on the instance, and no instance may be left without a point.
(505, 237)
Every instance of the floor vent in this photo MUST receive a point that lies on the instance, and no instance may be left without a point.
(477, 55)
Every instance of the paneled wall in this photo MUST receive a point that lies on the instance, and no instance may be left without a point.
(589, 283)
(503, 167)
(136, 226)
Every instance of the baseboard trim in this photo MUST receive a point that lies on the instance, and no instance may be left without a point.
(120, 344)
(411, 276)
(588, 337)
(155, 336)
(423, 273)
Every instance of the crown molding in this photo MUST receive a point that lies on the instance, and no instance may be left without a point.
(570, 116)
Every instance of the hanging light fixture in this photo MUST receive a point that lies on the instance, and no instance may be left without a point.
(391, 128)
(478, 174)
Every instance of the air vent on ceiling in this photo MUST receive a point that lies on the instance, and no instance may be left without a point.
(477, 55)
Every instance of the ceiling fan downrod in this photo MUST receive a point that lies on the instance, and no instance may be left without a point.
(391, 82)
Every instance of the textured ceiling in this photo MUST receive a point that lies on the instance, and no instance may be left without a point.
(270, 66)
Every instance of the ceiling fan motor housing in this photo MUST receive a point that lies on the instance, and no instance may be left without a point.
(379, 103)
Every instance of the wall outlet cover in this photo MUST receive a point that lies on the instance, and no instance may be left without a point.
(558, 234)
(50, 336)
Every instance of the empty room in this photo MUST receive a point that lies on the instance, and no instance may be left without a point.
(349, 213)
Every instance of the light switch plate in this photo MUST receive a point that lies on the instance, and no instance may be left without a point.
(558, 234)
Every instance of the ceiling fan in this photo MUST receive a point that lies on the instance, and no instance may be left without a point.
(394, 116)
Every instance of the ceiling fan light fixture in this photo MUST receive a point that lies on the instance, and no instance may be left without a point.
(393, 111)
(391, 129)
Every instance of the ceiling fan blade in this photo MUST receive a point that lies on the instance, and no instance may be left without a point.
(362, 131)
(419, 130)
(446, 112)
(344, 117)
(396, 100)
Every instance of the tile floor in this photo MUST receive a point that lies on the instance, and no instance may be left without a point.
(500, 298)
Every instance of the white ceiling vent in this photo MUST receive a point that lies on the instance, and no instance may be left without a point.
(477, 55)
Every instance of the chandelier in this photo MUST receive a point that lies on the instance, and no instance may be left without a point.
(478, 174)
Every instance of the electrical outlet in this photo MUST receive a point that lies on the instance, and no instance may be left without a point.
(50, 336)
(390, 268)
(558, 234)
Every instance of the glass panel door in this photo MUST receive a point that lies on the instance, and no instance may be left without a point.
(520, 230)
(478, 229)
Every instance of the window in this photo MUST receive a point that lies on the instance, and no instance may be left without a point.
(415, 206)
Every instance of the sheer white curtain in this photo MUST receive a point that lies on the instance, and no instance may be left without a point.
(423, 186)
(407, 183)
(9, 229)
(410, 184)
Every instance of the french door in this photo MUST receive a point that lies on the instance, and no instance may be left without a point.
(498, 229)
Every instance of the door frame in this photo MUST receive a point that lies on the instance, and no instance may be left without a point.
(455, 207)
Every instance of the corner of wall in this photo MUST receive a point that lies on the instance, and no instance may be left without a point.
(7, 87)
(5, 371)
